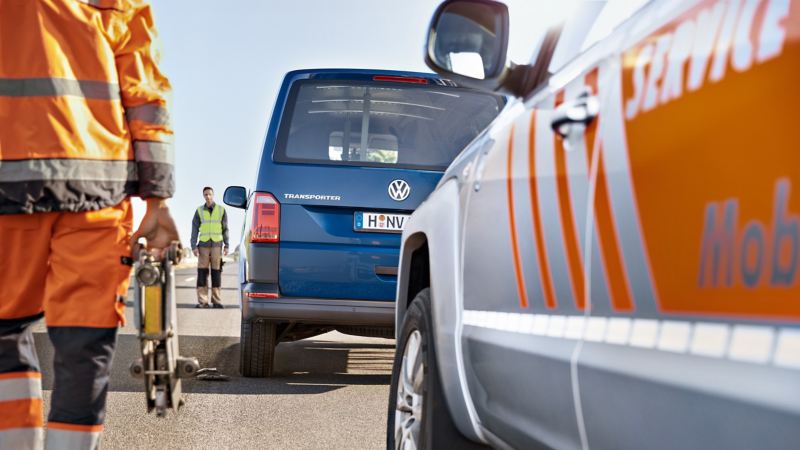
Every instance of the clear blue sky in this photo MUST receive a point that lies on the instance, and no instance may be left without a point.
(226, 61)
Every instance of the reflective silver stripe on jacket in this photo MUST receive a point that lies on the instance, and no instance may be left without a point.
(58, 87)
(152, 151)
(66, 169)
(150, 113)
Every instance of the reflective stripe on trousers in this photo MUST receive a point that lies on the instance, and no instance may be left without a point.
(21, 410)
(22, 438)
(64, 436)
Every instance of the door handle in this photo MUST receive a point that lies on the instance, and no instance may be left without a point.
(582, 111)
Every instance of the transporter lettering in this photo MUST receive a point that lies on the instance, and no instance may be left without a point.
(335, 198)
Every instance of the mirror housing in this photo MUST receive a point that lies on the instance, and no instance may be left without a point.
(235, 196)
(468, 43)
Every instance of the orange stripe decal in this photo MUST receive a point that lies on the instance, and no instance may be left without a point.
(591, 130)
(544, 266)
(621, 299)
(16, 375)
(74, 427)
(523, 294)
(574, 259)
(22, 413)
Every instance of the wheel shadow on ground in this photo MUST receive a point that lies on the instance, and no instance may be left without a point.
(303, 367)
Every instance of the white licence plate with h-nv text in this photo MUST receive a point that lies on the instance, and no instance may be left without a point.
(380, 222)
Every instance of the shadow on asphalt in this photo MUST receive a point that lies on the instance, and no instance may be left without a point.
(129, 304)
(302, 367)
(195, 287)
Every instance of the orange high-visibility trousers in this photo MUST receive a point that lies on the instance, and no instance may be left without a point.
(73, 268)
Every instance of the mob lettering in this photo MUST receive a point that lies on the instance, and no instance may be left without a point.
(755, 254)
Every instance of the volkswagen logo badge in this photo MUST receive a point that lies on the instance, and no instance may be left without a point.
(399, 190)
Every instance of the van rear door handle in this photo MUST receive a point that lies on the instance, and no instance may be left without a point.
(582, 111)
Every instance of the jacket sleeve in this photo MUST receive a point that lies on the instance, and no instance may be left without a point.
(195, 230)
(225, 228)
(145, 91)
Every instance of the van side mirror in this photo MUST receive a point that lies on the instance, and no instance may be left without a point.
(235, 196)
(468, 43)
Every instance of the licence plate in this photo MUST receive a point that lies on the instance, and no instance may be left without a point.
(380, 222)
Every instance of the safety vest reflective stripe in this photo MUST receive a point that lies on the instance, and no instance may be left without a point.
(156, 152)
(67, 169)
(64, 436)
(150, 113)
(210, 224)
(60, 87)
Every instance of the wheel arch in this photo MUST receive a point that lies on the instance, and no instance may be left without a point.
(431, 244)
(414, 274)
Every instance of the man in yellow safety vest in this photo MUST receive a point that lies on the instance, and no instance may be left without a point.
(209, 244)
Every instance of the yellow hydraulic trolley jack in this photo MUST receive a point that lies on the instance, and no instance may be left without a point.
(155, 318)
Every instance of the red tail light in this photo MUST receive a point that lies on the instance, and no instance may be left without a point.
(397, 79)
(266, 218)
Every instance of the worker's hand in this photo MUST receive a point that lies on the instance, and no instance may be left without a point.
(157, 227)
(225, 251)
(196, 251)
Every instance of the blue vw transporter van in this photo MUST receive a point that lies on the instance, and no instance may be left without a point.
(348, 156)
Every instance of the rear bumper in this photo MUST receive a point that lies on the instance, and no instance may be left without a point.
(320, 311)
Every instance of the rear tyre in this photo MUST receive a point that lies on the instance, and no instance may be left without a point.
(258, 342)
(418, 414)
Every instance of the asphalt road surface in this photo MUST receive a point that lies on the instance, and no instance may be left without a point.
(330, 391)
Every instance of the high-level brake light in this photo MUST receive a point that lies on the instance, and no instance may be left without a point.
(266, 218)
(398, 79)
(262, 294)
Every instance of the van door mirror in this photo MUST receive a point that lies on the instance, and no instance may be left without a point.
(468, 42)
(235, 196)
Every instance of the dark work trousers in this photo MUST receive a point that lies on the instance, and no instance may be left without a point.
(81, 369)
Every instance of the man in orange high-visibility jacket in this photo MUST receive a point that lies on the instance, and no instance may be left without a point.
(83, 126)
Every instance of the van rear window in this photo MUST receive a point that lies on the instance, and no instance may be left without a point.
(381, 124)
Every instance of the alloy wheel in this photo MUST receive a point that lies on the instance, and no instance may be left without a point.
(410, 395)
